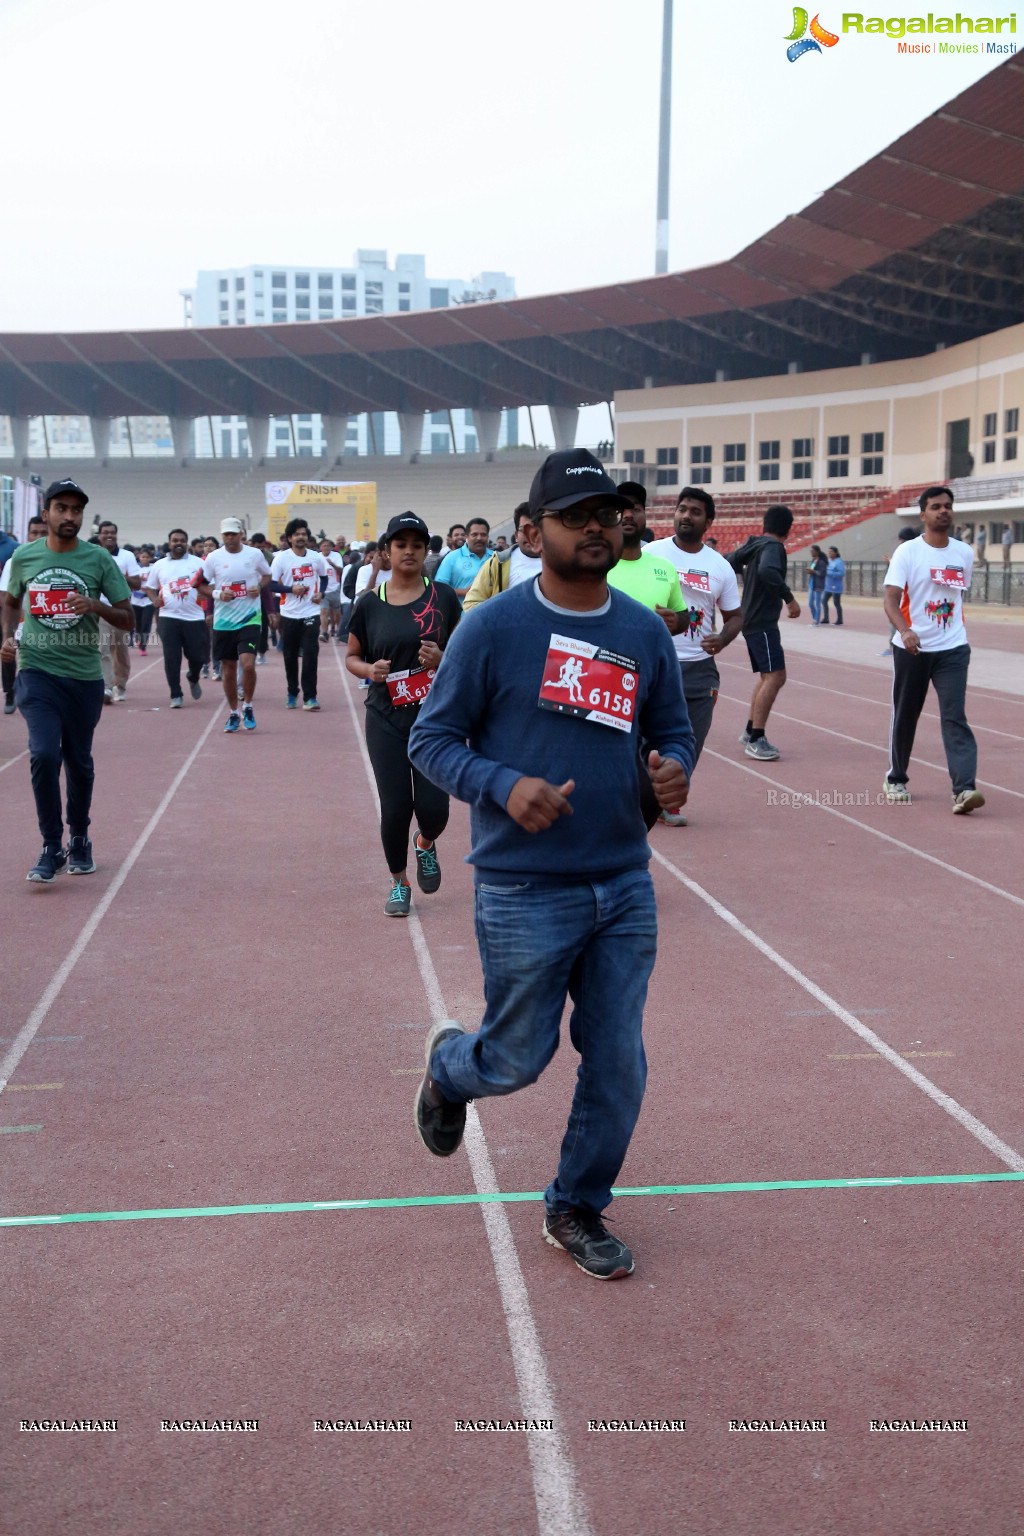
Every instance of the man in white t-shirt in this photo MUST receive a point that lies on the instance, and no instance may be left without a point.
(707, 581)
(234, 577)
(115, 644)
(299, 572)
(330, 608)
(373, 571)
(172, 583)
(924, 591)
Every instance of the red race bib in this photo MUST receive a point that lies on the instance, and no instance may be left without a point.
(45, 601)
(239, 588)
(410, 687)
(589, 682)
(948, 576)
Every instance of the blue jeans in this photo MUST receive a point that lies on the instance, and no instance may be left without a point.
(596, 944)
(814, 602)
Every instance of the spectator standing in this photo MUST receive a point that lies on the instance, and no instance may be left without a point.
(1007, 543)
(816, 572)
(835, 578)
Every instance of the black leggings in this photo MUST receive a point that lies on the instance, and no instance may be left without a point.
(142, 622)
(837, 598)
(403, 791)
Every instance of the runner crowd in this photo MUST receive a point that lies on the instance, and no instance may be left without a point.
(567, 758)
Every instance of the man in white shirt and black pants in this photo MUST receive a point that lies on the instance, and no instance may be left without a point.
(300, 572)
(924, 588)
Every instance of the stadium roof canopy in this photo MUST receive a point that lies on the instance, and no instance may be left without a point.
(922, 245)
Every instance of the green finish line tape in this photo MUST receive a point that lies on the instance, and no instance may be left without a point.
(289, 1207)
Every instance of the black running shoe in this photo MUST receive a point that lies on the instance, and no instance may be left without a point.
(439, 1121)
(48, 865)
(428, 869)
(80, 859)
(594, 1249)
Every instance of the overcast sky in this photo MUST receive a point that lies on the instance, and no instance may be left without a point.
(143, 142)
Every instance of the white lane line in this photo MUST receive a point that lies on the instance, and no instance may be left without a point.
(560, 1507)
(12, 760)
(811, 804)
(962, 1116)
(861, 698)
(28, 1030)
(922, 762)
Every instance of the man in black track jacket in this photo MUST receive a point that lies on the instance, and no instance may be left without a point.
(762, 562)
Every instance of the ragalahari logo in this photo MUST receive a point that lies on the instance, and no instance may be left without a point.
(800, 43)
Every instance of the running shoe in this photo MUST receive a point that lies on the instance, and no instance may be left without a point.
(195, 690)
(216, 674)
(311, 704)
(119, 694)
(142, 650)
(745, 738)
(234, 721)
(594, 1250)
(108, 695)
(9, 704)
(439, 1121)
(206, 670)
(428, 869)
(48, 865)
(673, 818)
(261, 661)
(966, 801)
(178, 702)
(248, 717)
(80, 859)
(762, 750)
(897, 794)
(293, 701)
(399, 900)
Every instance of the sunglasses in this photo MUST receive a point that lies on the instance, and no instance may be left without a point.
(579, 516)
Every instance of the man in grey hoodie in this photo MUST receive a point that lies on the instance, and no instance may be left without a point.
(762, 561)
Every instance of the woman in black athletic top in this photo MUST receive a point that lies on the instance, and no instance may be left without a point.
(396, 636)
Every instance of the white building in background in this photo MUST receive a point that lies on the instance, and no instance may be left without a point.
(276, 295)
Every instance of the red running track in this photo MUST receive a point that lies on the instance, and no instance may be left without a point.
(242, 1025)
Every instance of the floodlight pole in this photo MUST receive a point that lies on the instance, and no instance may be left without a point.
(664, 137)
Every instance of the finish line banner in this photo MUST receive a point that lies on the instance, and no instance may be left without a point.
(349, 507)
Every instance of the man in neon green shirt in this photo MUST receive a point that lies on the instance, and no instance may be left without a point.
(653, 581)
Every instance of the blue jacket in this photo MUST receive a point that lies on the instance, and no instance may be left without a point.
(835, 576)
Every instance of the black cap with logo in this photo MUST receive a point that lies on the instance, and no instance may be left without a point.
(63, 488)
(407, 522)
(634, 490)
(569, 476)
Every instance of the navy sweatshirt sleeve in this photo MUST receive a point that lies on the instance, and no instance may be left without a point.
(481, 729)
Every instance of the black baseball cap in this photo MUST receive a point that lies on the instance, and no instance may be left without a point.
(569, 476)
(63, 488)
(634, 490)
(407, 522)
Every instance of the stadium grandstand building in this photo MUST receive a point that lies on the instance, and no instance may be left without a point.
(868, 345)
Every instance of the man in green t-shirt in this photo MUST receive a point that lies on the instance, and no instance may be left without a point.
(653, 581)
(60, 680)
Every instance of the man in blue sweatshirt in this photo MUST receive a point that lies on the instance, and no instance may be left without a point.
(534, 719)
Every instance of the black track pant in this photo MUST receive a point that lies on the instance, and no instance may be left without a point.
(142, 623)
(176, 636)
(947, 673)
(403, 791)
(301, 635)
(61, 713)
(837, 598)
(700, 687)
(8, 672)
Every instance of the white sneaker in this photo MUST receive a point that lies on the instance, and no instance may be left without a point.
(966, 801)
(118, 694)
(672, 818)
(177, 703)
(898, 794)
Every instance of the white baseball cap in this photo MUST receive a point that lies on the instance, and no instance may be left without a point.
(232, 525)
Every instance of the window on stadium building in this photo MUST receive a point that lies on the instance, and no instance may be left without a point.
(325, 280)
(839, 457)
(803, 458)
(768, 459)
(1012, 420)
(633, 456)
(278, 280)
(872, 448)
(735, 456)
(348, 280)
(302, 279)
(1009, 449)
(700, 464)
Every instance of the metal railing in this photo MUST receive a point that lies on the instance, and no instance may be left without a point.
(993, 583)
